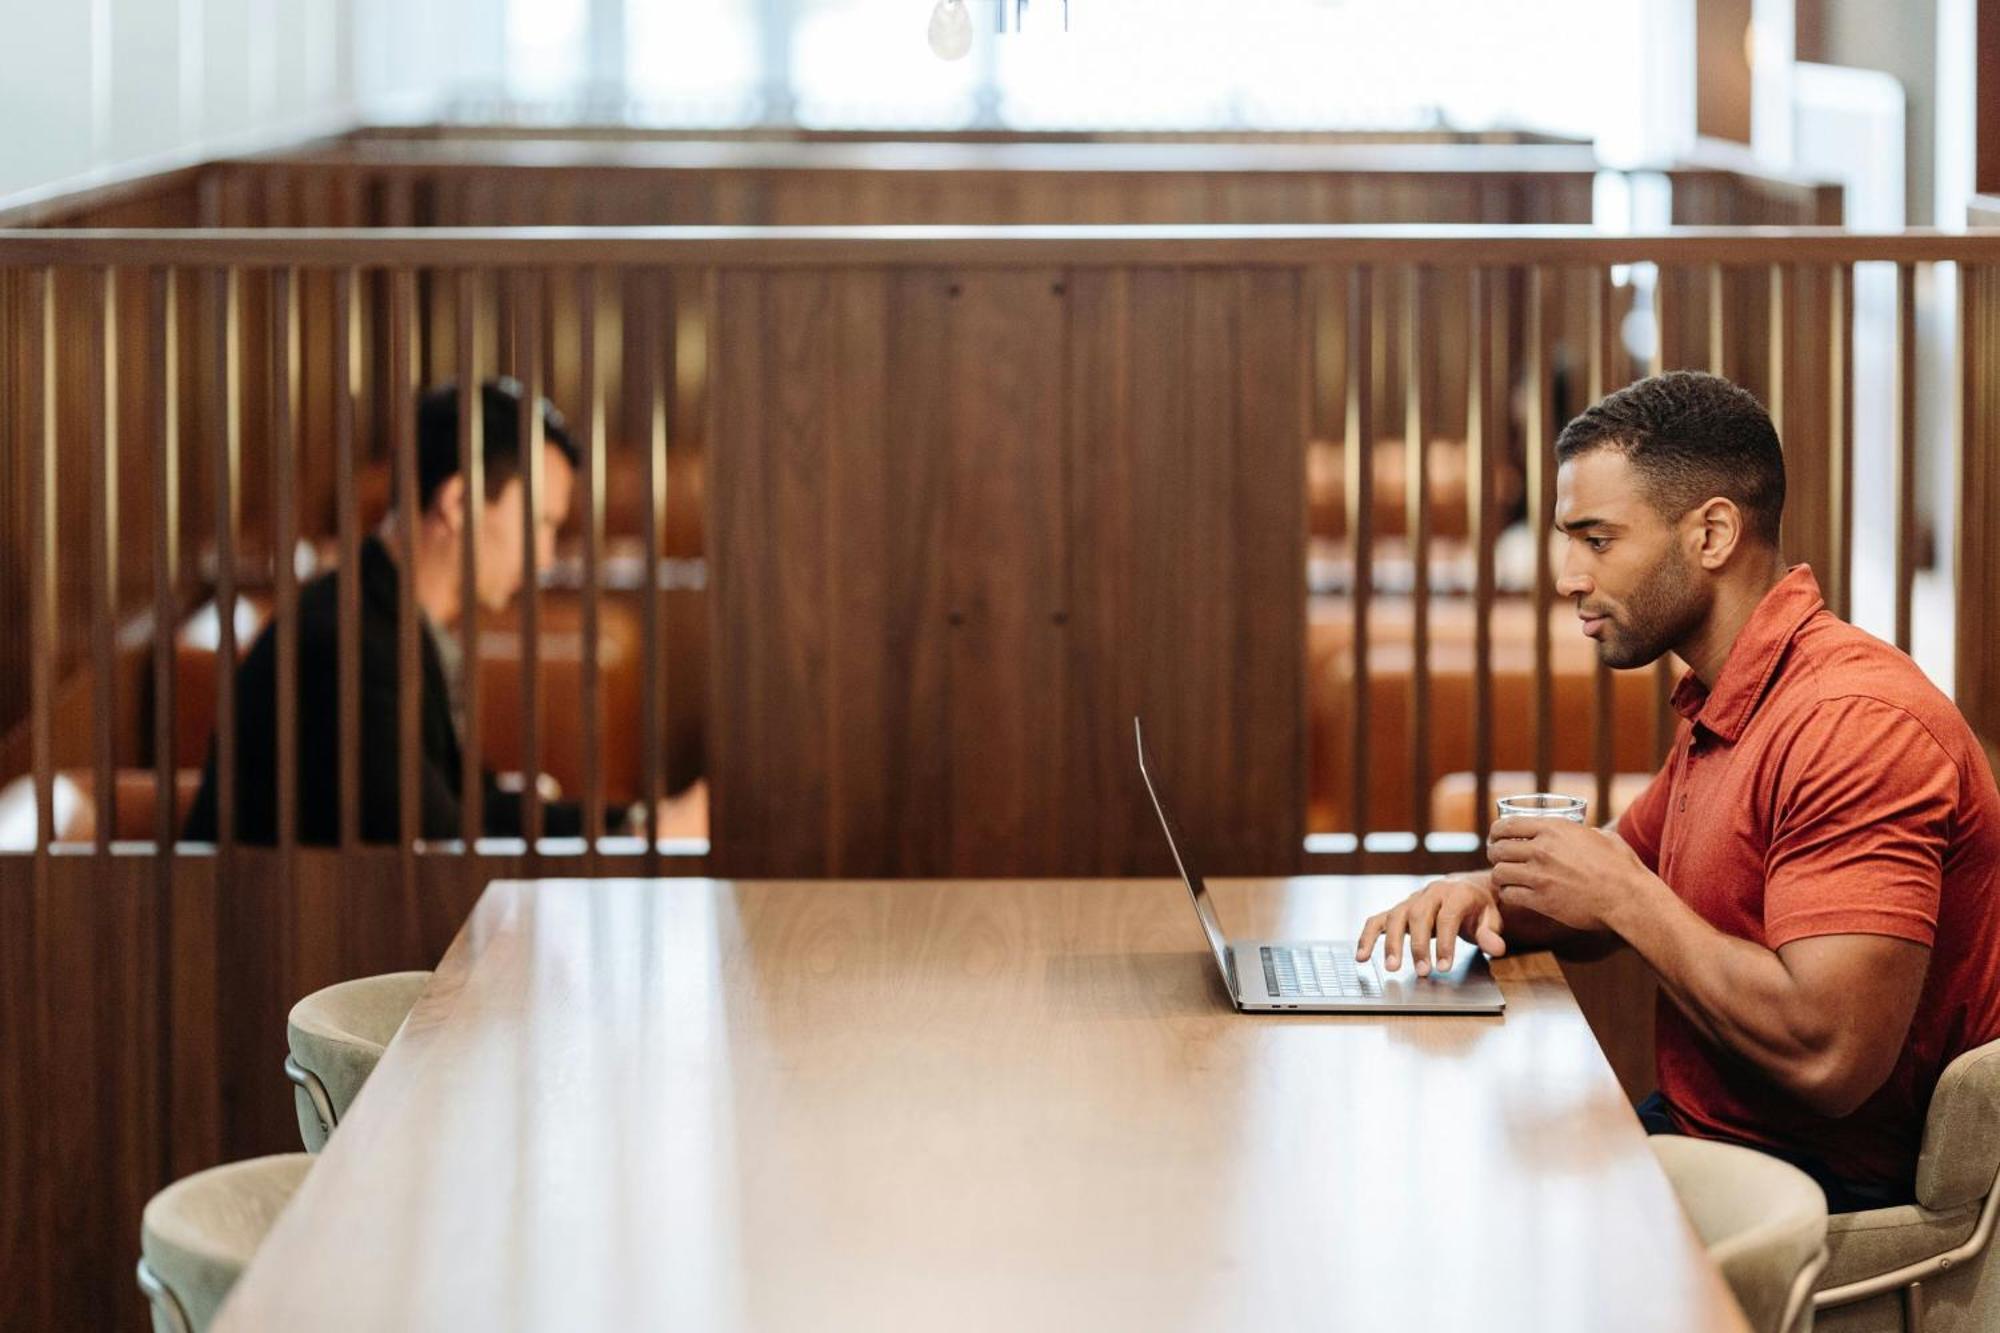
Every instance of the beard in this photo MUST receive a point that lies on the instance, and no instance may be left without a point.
(1662, 612)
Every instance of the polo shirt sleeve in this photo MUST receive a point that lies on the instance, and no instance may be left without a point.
(1643, 823)
(1865, 800)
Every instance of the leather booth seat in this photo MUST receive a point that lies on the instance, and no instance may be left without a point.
(1326, 488)
(77, 809)
(1391, 779)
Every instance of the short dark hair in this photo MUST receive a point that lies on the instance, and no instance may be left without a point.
(1690, 436)
(500, 451)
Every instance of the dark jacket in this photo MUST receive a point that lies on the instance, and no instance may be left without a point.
(319, 730)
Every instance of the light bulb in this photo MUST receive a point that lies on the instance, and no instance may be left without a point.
(951, 30)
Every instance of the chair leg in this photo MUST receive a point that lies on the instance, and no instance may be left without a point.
(1913, 1308)
(162, 1299)
(315, 1090)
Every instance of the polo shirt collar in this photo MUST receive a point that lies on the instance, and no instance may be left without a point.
(1753, 658)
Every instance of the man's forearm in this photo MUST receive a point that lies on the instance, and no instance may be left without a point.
(1527, 931)
(1737, 994)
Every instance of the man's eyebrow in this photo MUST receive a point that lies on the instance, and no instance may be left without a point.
(1579, 524)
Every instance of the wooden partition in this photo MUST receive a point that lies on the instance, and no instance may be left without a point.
(976, 499)
(969, 522)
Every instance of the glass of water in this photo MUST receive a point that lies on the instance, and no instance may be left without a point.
(1544, 805)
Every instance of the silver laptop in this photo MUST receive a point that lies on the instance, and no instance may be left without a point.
(1321, 976)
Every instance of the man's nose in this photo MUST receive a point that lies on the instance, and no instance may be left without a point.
(1571, 583)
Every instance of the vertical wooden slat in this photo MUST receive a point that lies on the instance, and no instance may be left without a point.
(104, 552)
(1359, 460)
(1779, 331)
(348, 590)
(1840, 434)
(1904, 449)
(1663, 670)
(527, 350)
(472, 468)
(1482, 444)
(1417, 523)
(653, 347)
(1975, 552)
(226, 449)
(1602, 335)
(1541, 302)
(591, 445)
(285, 514)
(400, 383)
(1718, 345)
(1972, 474)
(163, 392)
(39, 383)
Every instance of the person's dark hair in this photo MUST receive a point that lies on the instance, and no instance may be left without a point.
(1690, 436)
(500, 451)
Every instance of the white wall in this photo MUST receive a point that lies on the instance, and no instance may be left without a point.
(1901, 40)
(93, 85)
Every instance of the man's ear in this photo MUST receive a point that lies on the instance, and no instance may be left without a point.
(1719, 531)
(448, 503)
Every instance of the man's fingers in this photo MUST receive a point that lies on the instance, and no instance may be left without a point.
(1392, 949)
(1369, 930)
(1423, 916)
(1449, 916)
(1486, 933)
(1510, 875)
(1510, 849)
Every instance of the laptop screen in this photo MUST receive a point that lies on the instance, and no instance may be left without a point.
(1217, 941)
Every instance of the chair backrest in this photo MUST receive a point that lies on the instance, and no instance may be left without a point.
(1763, 1221)
(198, 1234)
(1961, 1152)
(339, 1033)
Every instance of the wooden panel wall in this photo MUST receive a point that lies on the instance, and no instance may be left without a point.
(966, 524)
(1977, 575)
(142, 1020)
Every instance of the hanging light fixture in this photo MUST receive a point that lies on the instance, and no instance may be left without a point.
(951, 30)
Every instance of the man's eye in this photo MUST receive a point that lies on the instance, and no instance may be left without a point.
(1598, 544)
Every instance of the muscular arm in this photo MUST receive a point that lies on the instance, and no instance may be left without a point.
(1825, 1017)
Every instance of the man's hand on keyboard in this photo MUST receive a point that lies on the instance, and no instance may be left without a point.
(1445, 910)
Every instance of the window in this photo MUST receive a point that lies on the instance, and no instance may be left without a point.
(694, 63)
(1566, 66)
(866, 63)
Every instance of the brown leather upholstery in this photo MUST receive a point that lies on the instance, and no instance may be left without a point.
(560, 678)
(77, 807)
(1326, 488)
(1391, 777)
(620, 630)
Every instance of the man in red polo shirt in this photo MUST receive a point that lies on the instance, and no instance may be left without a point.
(1812, 874)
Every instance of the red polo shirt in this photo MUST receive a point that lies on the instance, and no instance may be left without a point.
(1826, 787)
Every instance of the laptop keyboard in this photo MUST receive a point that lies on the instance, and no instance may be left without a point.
(1317, 971)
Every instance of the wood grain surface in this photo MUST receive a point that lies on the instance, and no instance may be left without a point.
(698, 1103)
(966, 524)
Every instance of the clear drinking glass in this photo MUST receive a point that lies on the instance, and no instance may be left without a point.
(1544, 805)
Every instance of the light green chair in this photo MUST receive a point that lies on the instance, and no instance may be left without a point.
(1763, 1221)
(1928, 1267)
(336, 1036)
(197, 1235)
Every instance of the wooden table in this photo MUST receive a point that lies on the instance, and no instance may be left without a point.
(631, 1104)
